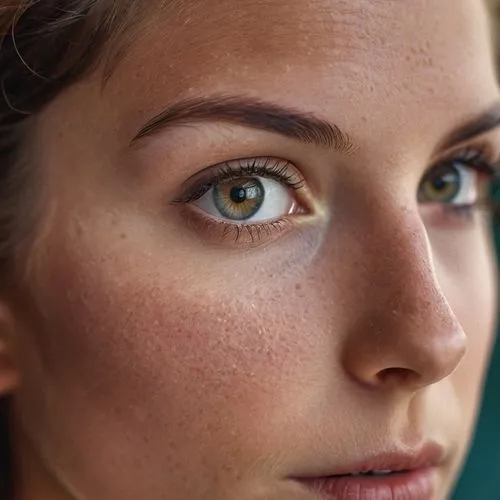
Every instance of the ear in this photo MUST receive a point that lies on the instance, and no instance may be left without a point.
(9, 375)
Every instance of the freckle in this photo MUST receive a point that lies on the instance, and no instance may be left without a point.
(298, 286)
(123, 236)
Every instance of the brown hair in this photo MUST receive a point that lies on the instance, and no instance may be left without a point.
(45, 46)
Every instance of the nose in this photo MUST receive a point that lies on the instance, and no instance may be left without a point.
(404, 334)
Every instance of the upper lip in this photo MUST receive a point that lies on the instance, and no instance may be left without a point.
(428, 456)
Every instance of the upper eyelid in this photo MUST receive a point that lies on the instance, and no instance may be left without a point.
(486, 143)
(486, 151)
(228, 164)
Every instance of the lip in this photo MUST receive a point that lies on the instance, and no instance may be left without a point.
(414, 477)
(417, 484)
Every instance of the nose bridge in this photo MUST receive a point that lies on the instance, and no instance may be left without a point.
(405, 332)
(401, 265)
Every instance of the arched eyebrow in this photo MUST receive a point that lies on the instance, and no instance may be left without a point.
(479, 125)
(305, 127)
(253, 113)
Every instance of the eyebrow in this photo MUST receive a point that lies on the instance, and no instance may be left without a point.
(479, 125)
(253, 113)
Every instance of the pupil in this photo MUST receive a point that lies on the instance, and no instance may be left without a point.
(439, 183)
(238, 194)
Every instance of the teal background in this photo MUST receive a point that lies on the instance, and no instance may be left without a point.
(481, 478)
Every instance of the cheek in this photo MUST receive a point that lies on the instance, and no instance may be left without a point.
(127, 361)
(469, 280)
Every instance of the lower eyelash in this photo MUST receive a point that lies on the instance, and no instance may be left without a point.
(253, 232)
(238, 235)
(250, 234)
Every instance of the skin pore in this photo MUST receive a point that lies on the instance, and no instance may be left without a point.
(164, 354)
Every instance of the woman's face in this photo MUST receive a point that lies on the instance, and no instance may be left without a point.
(260, 257)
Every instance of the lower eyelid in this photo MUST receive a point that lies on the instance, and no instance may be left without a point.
(235, 235)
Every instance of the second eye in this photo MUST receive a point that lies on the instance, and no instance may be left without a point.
(450, 183)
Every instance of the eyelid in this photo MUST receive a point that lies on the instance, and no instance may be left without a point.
(485, 149)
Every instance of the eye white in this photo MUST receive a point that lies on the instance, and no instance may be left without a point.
(468, 193)
(277, 202)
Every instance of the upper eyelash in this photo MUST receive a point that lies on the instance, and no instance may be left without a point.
(273, 168)
(477, 159)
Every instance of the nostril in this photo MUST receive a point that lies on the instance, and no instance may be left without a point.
(403, 376)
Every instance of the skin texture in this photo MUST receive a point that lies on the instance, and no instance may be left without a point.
(157, 361)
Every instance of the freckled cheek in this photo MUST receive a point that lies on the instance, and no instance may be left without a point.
(132, 353)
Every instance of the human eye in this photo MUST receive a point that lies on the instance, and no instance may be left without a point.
(460, 184)
(246, 201)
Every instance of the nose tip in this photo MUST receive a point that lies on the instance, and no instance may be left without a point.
(408, 350)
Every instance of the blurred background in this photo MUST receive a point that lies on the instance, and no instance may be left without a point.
(481, 477)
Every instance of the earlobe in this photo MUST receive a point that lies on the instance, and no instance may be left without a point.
(9, 375)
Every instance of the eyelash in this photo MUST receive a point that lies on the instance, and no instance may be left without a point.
(477, 159)
(272, 168)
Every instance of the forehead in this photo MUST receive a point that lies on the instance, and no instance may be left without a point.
(360, 58)
(322, 33)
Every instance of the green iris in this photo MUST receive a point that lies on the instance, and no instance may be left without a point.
(441, 185)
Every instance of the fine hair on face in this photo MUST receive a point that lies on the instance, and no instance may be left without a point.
(245, 247)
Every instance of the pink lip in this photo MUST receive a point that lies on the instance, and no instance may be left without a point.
(413, 478)
(417, 484)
